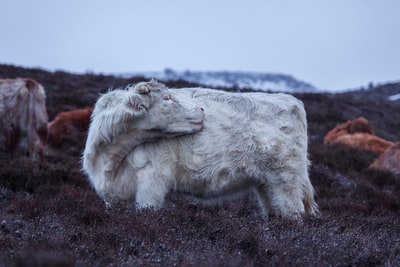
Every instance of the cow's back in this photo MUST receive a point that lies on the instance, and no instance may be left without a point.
(244, 136)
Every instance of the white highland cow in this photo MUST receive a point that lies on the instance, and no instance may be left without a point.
(138, 151)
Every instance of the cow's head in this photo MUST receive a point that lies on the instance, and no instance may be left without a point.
(360, 125)
(161, 110)
(146, 106)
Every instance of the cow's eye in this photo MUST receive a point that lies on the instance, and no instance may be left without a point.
(167, 97)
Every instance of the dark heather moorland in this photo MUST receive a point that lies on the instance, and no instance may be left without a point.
(50, 216)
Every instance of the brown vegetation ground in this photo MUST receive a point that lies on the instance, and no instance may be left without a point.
(52, 217)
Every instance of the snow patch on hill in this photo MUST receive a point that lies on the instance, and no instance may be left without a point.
(242, 80)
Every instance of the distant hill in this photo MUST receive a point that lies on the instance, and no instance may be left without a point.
(242, 80)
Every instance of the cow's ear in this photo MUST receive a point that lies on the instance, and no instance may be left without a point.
(137, 103)
(143, 90)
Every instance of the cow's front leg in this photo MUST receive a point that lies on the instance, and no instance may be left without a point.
(150, 192)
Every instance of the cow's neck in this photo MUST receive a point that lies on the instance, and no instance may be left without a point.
(126, 142)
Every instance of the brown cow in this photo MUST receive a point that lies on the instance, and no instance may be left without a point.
(358, 134)
(359, 125)
(69, 125)
(23, 115)
(389, 160)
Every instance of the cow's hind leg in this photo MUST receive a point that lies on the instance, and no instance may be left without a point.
(287, 194)
(12, 136)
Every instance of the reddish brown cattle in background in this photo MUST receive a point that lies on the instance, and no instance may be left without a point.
(364, 141)
(358, 134)
(389, 160)
(359, 125)
(23, 115)
(69, 125)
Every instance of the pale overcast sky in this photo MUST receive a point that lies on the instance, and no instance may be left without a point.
(337, 44)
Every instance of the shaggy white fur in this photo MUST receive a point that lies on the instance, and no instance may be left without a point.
(250, 140)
